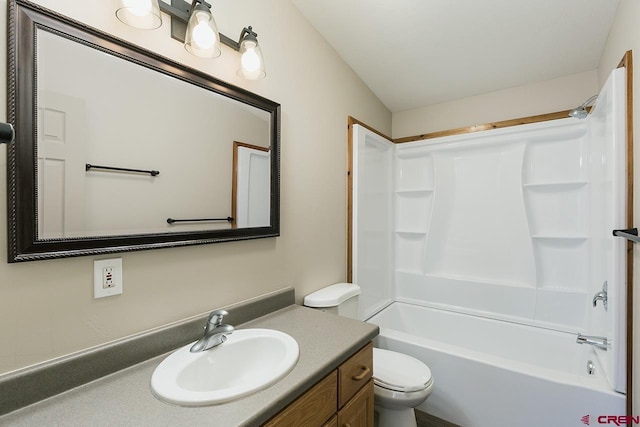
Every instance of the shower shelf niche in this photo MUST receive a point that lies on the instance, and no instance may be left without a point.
(417, 192)
(557, 186)
(409, 251)
(411, 232)
(559, 237)
(413, 211)
(414, 173)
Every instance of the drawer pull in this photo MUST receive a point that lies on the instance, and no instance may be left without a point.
(362, 375)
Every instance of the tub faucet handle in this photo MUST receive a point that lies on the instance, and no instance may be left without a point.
(601, 296)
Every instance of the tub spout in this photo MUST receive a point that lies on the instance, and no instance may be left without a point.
(600, 342)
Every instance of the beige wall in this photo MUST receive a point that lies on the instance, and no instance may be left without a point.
(47, 307)
(549, 96)
(625, 36)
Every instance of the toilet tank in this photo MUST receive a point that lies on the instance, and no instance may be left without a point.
(340, 299)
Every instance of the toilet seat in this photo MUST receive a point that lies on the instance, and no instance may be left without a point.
(399, 372)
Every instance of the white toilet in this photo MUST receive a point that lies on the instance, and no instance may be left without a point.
(401, 382)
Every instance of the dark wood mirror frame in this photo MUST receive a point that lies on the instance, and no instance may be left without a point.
(25, 19)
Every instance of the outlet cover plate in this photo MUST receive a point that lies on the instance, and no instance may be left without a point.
(99, 291)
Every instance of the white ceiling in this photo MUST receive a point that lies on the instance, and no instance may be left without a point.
(413, 53)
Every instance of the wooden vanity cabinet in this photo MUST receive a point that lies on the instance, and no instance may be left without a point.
(344, 398)
(358, 412)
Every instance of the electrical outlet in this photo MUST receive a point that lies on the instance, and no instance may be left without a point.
(107, 277)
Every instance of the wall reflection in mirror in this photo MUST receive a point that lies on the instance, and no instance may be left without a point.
(97, 109)
(130, 150)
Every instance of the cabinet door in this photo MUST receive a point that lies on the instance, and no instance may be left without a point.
(358, 412)
(333, 422)
(311, 409)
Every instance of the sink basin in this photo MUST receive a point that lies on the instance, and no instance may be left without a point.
(248, 361)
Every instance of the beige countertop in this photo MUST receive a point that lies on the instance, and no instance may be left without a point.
(125, 399)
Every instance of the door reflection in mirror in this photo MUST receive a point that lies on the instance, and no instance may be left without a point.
(251, 192)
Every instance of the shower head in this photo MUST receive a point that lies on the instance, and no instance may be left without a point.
(581, 111)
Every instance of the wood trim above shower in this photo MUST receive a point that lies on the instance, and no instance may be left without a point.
(463, 130)
(353, 121)
(486, 126)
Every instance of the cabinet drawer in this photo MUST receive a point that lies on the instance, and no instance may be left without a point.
(354, 373)
(313, 408)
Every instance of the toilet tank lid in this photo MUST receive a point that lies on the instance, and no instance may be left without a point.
(332, 296)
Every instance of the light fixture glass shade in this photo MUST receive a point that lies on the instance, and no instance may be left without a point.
(251, 60)
(202, 38)
(142, 14)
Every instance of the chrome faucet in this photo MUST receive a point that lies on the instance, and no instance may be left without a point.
(600, 342)
(601, 296)
(215, 333)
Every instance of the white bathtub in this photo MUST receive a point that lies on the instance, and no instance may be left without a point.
(491, 373)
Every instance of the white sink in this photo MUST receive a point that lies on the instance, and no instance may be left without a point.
(248, 361)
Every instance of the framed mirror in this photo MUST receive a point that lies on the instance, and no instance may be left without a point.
(120, 149)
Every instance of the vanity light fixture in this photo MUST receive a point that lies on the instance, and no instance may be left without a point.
(202, 38)
(251, 61)
(195, 27)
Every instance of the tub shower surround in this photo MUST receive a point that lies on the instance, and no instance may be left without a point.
(508, 227)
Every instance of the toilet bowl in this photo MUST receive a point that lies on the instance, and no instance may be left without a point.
(400, 382)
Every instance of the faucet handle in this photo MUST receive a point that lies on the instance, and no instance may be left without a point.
(216, 316)
(601, 295)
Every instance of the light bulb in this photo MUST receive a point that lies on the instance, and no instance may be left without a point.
(250, 60)
(143, 14)
(203, 35)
